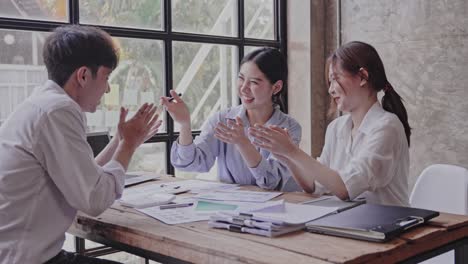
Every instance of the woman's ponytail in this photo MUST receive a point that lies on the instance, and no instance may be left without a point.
(393, 103)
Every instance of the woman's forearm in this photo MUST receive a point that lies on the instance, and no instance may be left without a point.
(185, 136)
(305, 181)
(306, 170)
(250, 154)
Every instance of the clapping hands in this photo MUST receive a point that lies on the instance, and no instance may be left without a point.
(141, 127)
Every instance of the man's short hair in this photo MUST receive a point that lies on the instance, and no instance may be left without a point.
(71, 47)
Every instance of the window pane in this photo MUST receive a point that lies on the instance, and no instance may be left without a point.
(205, 74)
(54, 10)
(138, 79)
(259, 19)
(248, 49)
(211, 17)
(21, 67)
(149, 157)
(122, 13)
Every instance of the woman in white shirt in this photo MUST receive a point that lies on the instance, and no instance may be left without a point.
(366, 151)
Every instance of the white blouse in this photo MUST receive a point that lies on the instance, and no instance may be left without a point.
(373, 165)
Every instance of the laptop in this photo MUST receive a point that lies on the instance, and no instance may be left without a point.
(99, 140)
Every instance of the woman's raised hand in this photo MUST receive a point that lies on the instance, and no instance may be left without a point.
(177, 108)
(274, 139)
(232, 132)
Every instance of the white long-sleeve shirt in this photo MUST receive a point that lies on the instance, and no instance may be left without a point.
(47, 173)
(375, 164)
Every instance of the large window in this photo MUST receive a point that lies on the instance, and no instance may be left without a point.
(193, 47)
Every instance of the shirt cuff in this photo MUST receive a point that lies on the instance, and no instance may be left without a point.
(319, 188)
(261, 168)
(185, 152)
(116, 170)
(353, 184)
(260, 173)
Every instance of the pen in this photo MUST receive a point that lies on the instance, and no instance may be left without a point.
(239, 229)
(166, 185)
(172, 98)
(161, 107)
(170, 206)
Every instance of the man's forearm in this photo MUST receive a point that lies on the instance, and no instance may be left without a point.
(106, 154)
(123, 154)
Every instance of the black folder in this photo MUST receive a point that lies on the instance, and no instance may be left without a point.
(371, 222)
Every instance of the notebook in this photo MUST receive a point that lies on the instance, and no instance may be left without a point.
(371, 222)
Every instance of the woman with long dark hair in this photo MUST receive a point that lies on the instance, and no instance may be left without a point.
(224, 137)
(366, 150)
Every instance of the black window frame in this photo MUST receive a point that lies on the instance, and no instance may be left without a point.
(167, 36)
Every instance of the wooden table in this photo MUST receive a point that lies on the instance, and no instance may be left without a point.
(134, 232)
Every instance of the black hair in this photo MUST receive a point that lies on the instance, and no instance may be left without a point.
(71, 47)
(274, 66)
(356, 55)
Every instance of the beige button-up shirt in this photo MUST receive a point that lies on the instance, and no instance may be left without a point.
(47, 173)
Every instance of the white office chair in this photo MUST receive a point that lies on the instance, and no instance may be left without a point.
(443, 188)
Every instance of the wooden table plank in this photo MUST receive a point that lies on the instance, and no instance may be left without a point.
(327, 248)
(423, 244)
(449, 221)
(182, 243)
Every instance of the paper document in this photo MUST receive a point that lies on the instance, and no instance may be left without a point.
(200, 211)
(242, 196)
(157, 188)
(197, 186)
(174, 216)
(142, 200)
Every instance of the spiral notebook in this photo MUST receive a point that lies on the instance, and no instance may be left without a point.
(371, 222)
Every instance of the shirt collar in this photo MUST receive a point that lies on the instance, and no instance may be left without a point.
(52, 86)
(369, 121)
(241, 112)
(49, 84)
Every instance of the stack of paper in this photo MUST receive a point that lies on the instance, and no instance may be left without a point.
(278, 219)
